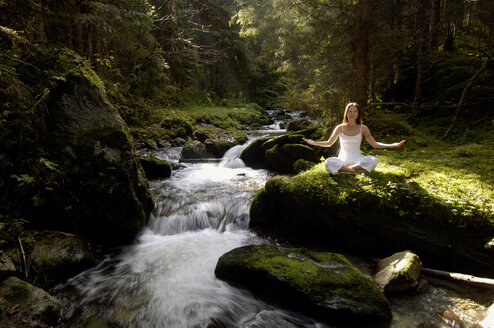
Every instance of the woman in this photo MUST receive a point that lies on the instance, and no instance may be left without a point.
(350, 133)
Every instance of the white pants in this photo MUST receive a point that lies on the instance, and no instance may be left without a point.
(333, 164)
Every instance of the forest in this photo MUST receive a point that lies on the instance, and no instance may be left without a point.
(90, 90)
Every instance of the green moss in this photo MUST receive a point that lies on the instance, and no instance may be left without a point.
(18, 293)
(327, 275)
(299, 273)
(432, 180)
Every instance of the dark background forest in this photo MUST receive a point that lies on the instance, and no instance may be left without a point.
(313, 55)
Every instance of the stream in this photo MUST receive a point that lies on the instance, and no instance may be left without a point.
(166, 278)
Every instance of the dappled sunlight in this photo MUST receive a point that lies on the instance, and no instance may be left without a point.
(421, 178)
(464, 183)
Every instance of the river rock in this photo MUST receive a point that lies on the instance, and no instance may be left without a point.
(301, 165)
(254, 154)
(299, 124)
(151, 144)
(282, 158)
(194, 149)
(279, 154)
(7, 266)
(100, 189)
(399, 272)
(24, 305)
(56, 256)
(177, 142)
(316, 209)
(200, 135)
(324, 285)
(218, 147)
(156, 168)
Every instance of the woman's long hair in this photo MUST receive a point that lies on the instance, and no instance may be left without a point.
(359, 117)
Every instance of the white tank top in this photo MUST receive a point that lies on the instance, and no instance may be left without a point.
(350, 147)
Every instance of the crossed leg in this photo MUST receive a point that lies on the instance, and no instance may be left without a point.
(353, 169)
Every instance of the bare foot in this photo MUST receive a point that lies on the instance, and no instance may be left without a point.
(358, 169)
(348, 169)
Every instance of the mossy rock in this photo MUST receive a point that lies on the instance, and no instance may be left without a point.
(201, 135)
(370, 216)
(323, 285)
(278, 154)
(279, 161)
(98, 187)
(156, 168)
(218, 147)
(301, 165)
(398, 273)
(53, 257)
(194, 149)
(299, 124)
(284, 139)
(281, 158)
(253, 154)
(297, 151)
(24, 305)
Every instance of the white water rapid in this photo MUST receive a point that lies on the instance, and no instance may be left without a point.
(166, 279)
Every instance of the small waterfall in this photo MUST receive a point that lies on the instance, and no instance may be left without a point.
(215, 215)
(231, 159)
(166, 279)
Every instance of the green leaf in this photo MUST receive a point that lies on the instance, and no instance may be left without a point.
(23, 179)
(38, 200)
(49, 164)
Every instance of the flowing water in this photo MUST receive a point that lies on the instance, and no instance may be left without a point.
(166, 278)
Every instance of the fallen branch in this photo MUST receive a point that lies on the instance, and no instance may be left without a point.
(476, 281)
(468, 84)
(23, 256)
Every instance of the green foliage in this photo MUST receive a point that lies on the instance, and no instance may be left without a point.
(228, 117)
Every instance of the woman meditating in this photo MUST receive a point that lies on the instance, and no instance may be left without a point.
(350, 133)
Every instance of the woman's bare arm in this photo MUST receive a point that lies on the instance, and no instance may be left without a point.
(329, 142)
(375, 144)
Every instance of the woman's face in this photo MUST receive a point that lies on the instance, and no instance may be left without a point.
(352, 113)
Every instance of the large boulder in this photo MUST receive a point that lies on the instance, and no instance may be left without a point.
(299, 124)
(24, 305)
(100, 189)
(282, 158)
(370, 217)
(323, 285)
(280, 153)
(254, 154)
(212, 144)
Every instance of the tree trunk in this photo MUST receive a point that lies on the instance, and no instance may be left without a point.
(360, 51)
(421, 34)
(397, 21)
(435, 24)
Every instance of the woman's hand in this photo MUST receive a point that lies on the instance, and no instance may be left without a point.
(308, 141)
(398, 144)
